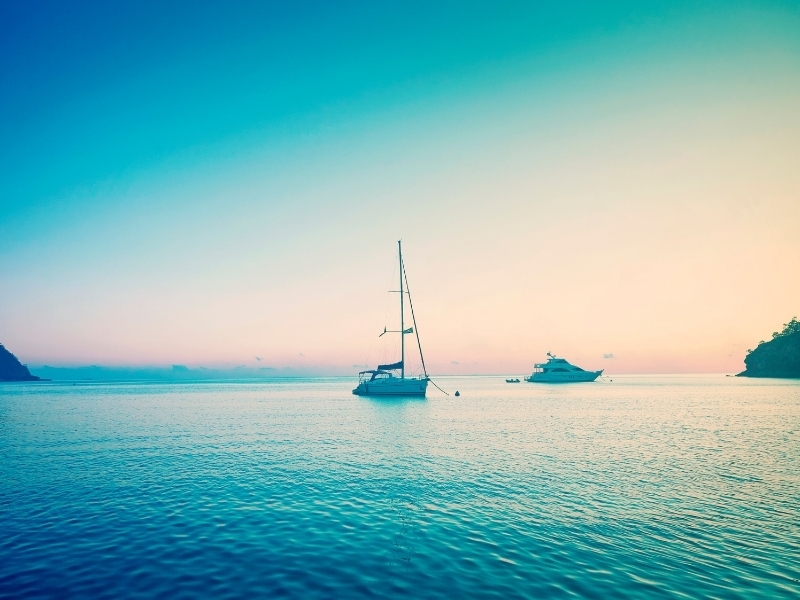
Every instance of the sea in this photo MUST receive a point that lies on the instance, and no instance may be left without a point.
(633, 486)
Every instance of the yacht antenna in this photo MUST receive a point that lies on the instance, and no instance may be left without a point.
(402, 325)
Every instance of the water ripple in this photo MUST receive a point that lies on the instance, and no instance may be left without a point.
(646, 487)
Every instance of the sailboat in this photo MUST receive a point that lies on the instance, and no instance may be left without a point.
(390, 379)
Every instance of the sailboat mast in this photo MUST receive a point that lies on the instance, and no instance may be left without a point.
(402, 324)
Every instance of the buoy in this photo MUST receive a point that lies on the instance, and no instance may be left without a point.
(457, 394)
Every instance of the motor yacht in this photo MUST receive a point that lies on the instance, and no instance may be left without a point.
(558, 370)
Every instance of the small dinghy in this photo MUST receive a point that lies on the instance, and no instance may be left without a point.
(512, 380)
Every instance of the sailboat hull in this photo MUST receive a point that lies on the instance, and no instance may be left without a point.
(392, 386)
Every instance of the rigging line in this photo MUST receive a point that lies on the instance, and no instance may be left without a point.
(416, 333)
(414, 320)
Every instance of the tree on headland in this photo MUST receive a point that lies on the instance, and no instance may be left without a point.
(789, 328)
(779, 357)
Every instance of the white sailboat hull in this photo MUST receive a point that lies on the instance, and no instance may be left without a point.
(569, 377)
(392, 386)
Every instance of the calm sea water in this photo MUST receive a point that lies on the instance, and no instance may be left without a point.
(644, 486)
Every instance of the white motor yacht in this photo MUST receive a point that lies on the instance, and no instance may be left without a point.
(391, 380)
(558, 370)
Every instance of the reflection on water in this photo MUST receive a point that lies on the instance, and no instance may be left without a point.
(638, 487)
(404, 515)
(403, 508)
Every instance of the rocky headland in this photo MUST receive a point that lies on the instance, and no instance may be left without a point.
(779, 357)
(13, 370)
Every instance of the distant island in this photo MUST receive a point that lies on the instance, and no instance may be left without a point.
(779, 357)
(13, 370)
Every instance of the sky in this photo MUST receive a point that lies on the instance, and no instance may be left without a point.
(224, 185)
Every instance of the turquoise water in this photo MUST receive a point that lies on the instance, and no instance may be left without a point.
(644, 486)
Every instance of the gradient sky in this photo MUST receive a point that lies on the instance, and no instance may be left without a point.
(200, 184)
